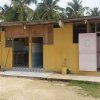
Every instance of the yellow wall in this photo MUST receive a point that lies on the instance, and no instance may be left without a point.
(6, 54)
(53, 55)
(0, 52)
(63, 48)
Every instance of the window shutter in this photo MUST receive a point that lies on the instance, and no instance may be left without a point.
(48, 35)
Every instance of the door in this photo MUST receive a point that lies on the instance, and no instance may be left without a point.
(37, 52)
(20, 52)
(88, 52)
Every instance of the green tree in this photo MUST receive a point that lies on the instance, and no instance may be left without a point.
(24, 12)
(93, 12)
(48, 9)
(17, 11)
(75, 9)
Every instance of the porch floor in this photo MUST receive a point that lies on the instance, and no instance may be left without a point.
(26, 69)
(50, 76)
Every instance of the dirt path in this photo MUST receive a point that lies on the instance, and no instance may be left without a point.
(26, 89)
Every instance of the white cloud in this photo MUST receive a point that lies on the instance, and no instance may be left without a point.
(91, 3)
(5, 2)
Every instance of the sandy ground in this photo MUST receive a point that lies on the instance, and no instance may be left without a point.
(30, 89)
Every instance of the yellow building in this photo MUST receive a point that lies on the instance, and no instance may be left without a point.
(51, 45)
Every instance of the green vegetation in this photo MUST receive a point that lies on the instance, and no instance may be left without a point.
(19, 10)
(75, 9)
(92, 89)
(48, 9)
(93, 12)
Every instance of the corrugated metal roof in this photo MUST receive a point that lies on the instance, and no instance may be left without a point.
(55, 22)
(26, 23)
(89, 18)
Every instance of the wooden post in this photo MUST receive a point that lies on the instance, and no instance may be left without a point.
(95, 27)
(30, 52)
(88, 27)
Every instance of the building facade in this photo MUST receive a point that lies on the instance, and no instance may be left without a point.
(45, 45)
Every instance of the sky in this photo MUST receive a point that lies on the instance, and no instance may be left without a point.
(63, 3)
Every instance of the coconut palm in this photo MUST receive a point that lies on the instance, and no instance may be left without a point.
(17, 11)
(48, 9)
(93, 12)
(29, 1)
(3, 11)
(7, 13)
(24, 12)
(75, 9)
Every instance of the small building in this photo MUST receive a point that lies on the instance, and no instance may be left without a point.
(50, 45)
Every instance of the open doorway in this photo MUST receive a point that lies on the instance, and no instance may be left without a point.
(37, 52)
(20, 52)
(98, 51)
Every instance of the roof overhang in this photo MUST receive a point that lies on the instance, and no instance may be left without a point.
(54, 22)
(17, 23)
(82, 19)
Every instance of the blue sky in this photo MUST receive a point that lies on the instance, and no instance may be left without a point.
(63, 3)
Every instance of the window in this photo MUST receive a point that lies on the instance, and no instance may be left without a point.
(48, 37)
(78, 28)
(98, 27)
(9, 42)
(0, 33)
(94, 27)
(0, 36)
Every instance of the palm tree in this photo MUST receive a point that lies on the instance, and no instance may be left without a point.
(24, 12)
(93, 12)
(75, 9)
(7, 13)
(17, 11)
(30, 1)
(48, 9)
(3, 11)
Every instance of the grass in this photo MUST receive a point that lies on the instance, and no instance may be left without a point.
(92, 89)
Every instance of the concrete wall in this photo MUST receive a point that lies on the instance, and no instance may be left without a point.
(63, 48)
(6, 54)
(53, 55)
(0, 52)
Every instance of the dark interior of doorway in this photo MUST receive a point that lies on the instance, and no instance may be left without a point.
(98, 51)
(37, 52)
(20, 52)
